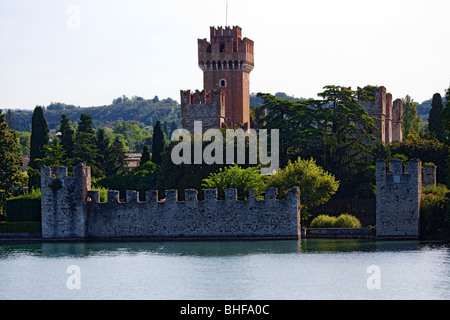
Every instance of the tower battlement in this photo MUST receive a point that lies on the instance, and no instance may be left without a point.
(201, 97)
(205, 106)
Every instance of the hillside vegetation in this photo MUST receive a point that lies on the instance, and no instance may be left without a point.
(144, 112)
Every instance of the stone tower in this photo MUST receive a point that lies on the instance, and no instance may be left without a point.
(63, 201)
(398, 199)
(388, 114)
(227, 60)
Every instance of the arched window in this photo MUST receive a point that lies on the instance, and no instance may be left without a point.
(230, 65)
(224, 65)
(214, 65)
(208, 65)
(236, 65)
(219, 65)
(222, 83)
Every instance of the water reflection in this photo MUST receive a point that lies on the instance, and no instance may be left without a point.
(211, 248)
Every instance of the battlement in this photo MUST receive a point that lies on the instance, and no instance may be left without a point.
(207, 107)
(226, 46)
(190, 195)
(70, 214)
(201, 97)
(234, 31)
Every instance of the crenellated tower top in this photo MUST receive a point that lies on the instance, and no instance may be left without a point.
(226, 50)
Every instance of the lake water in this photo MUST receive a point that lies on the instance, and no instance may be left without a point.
(238, 270)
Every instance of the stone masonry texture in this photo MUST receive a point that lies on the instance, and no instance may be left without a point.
(398, 199)
(73, 211)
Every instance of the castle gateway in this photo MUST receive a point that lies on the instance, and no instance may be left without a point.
(226, 61)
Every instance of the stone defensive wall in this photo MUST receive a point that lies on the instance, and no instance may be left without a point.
(71, 210)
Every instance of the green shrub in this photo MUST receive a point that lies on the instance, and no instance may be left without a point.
(343, 221)
(103, 193)
(346, 220)
(434, 211)
(316, 185)
(323, 221)
(235, 177)
(26, 207)
(20, 227)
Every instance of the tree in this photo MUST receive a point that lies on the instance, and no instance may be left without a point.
(235, 177)
(335, 130)
(10, 119)
(85, 124)
(446, 112)
(103, 146)
(39, 139)
(316, 185)
(67, 136)
(54, 155)
(85, 145)
(116, 158)
(411, 121)
(145, 155)
(159, 142)
(10, 162)
(435, 117)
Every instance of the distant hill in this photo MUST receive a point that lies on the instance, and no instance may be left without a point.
(256, 101)
(144, 112)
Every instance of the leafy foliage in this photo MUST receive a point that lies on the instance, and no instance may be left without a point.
(10, 162)
(316, 185)
(435, 211)
(335, 131)
(235, 177)
(411, 121)
(342, 221)
(427, 150)
(141, 111)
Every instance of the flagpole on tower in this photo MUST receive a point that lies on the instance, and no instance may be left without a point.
(226, 15)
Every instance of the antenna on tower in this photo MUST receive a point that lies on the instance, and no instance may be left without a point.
(226, 15)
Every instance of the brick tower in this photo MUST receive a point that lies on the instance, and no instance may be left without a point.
(226, 61)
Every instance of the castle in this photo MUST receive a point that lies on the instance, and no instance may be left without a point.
(71, 210)
(226, 61)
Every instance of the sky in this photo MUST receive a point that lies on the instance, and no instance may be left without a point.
(89, 52)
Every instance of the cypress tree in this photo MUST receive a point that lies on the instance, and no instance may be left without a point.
(435, 117)
(10, 162)
(159, 143)
(67, 136)
(116, 158)
(446, 112)
(103, 143)
(85, 145)
(145, 155)
(39, 139)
